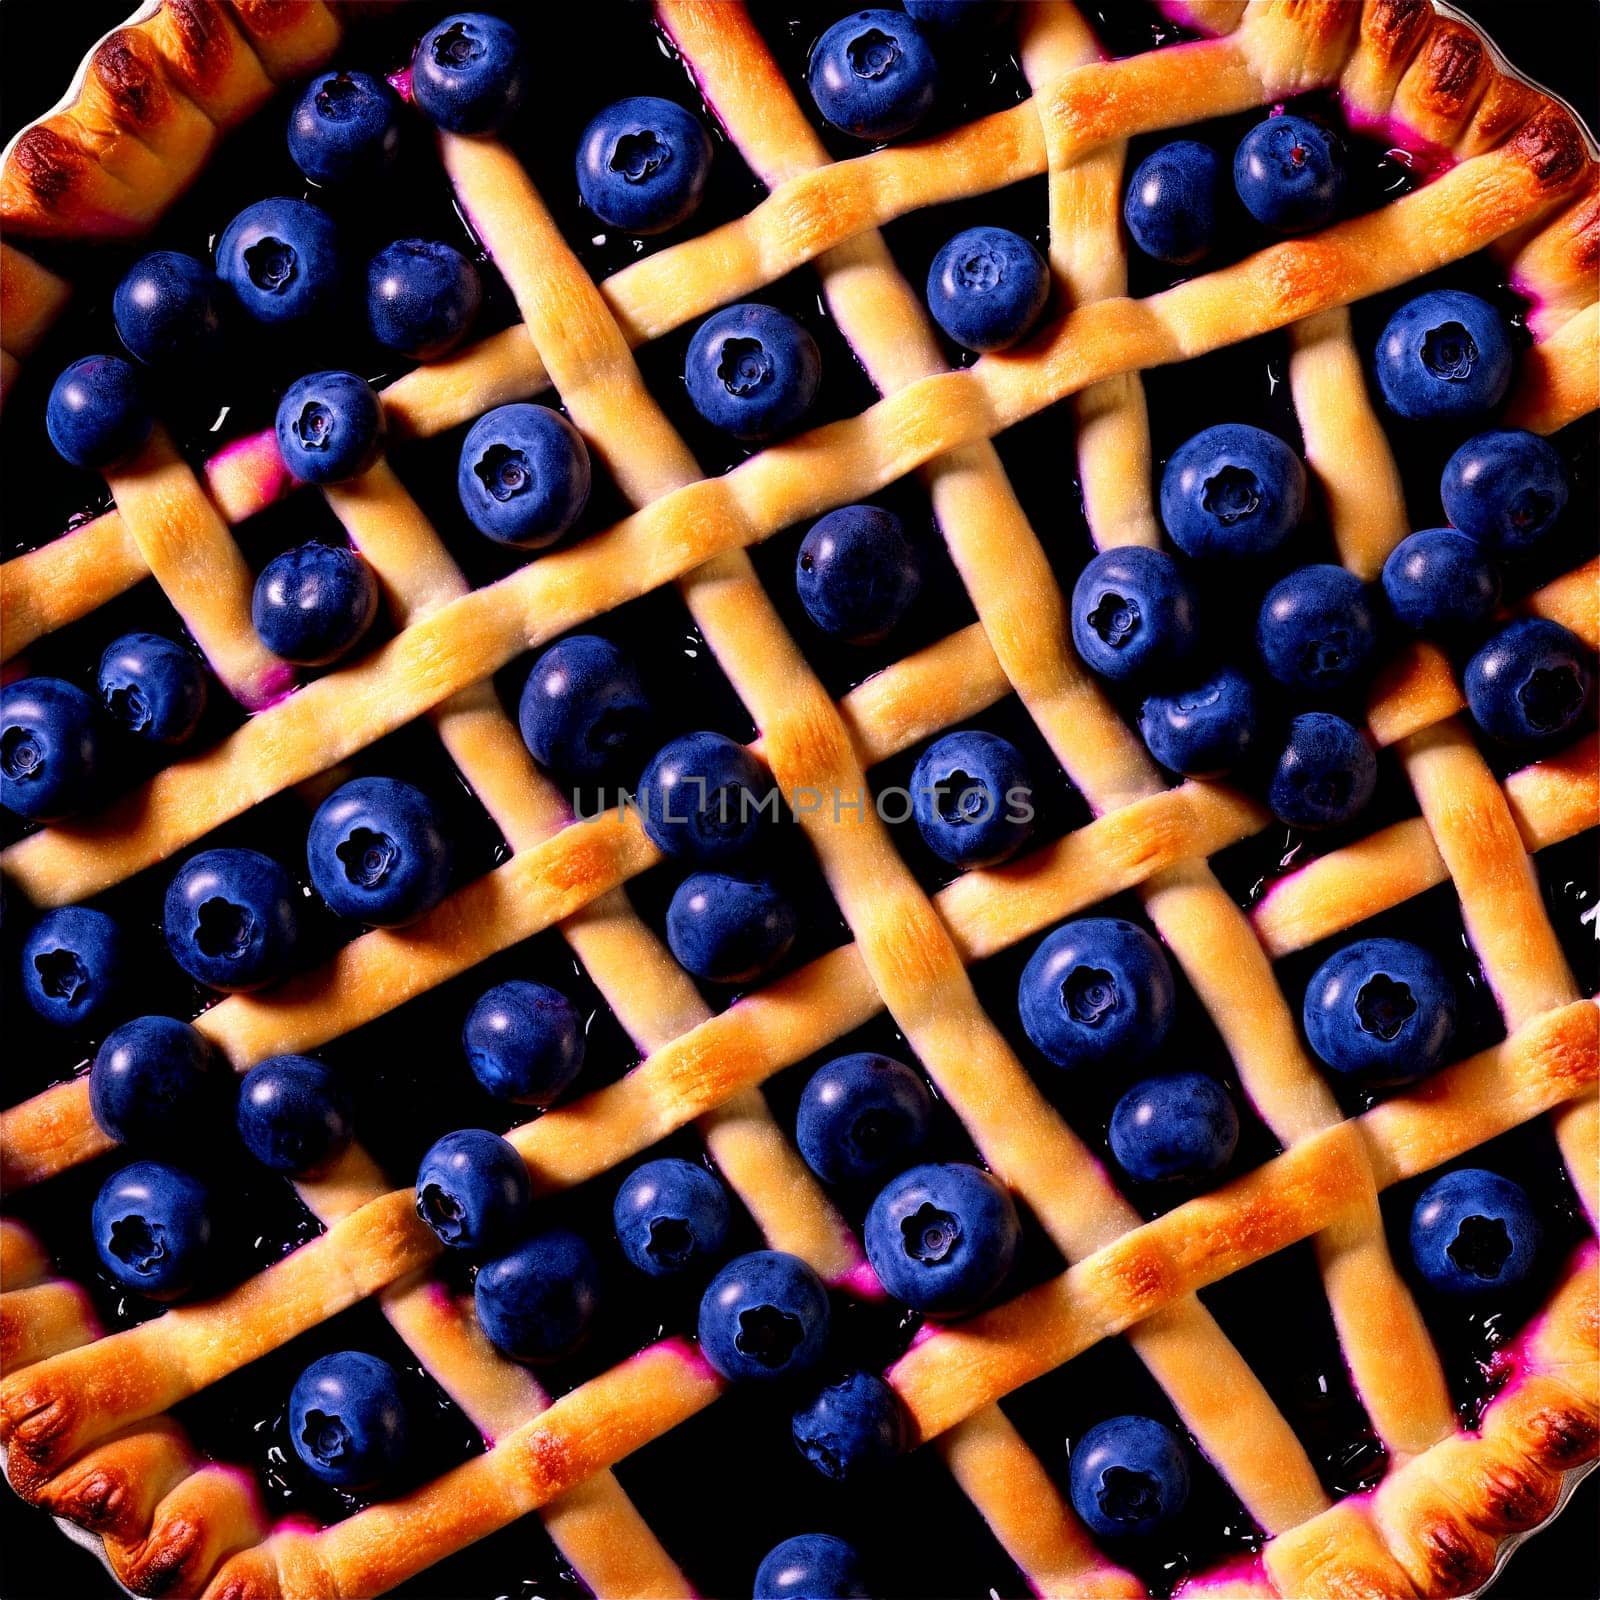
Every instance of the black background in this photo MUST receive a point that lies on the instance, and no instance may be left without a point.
(1556, 42)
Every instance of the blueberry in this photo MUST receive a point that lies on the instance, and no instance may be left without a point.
(539, 1302)
(1530, 683)
(74, 966)
(1204, 731)
(643, 164)
(1171, 204)
(330, 427)
(873, 75)
(1290, 174)
(345, 128)
(1183, 1126)
(1506, 489)
(1130, 1476)
(764, 1316)
(811, 1566)
(170, 311)
(97, 414)
(152, 1229)
(153, 687)
(972, 799)
(49, 748)
(1445, 354)
(473, 1189)
(1097, 992)
(701, 797)
(314, 603)
(378, 852)
(1441, 581)
(752, 371)
(282, 260)
(1133, 612)
(942, 1238)
(523, 477)
(1232, 490)
(857, 573)
(1381, 1010)
(1474, 1234)
(987, 287)
(862, 1117)
(851, 1428)
(155, 1081)
(470, 73)
(1317, 632)
(584, 709)
(959, 21)
(524, 1042)
(422, 297)
(230, 919)
(295, 1115)
(671, 1215)
(729, 930)
(1325, 774)
(347, 1420)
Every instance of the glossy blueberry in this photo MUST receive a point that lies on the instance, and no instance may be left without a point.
(1445, 354)
(153, 687)
(1505, 488)
(1324, 775)
(1232, 490)
(378, 852)
(97, 414)
(729, 930)
(470, 73)
(74, 966)
(584, 709)
(1317, 632)
(1382, 1010)
(873, 75)
(1182, 1126)
(539, 1301)
(850, 1428)
(347, 1420)
(473, 1189)
(49, 748)
(857, 573)
(314, 603)
(170, 310)
(862, 1117)
(155, 1081)
(1133, 612)
(1130, 1475)
(1204, 731)
(1530, 683)
(281, 258)
(643, 164)
(959, 21)
(1097, 992)
(345, 128)
(972, 798)
(764, 1316)
(152, 1228)
(701, 797)
(523, 477)
(942, 1238)
(1440, 581)
(231, 919)
(295, 1115)
(1290, 174)
(986, 288)
(1171, 204)
(811, 1566)
(422, 297)
(671, 1215)
(752, 371)
(524, 1042)
(329, 426)
(1474, 1234)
